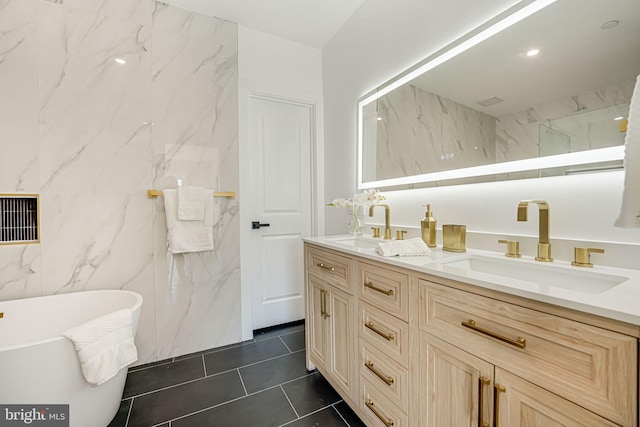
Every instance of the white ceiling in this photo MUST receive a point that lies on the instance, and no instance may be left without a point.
(310, 22)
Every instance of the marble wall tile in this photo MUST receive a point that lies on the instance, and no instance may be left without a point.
(19, 95)
(421, 133)
(195, 123)
(83, 137)
(92, 111)
(138, 11)
(20, 272)
(517, 135)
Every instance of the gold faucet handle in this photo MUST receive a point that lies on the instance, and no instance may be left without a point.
(376, 232)
(400, 234)
(582, 256)
(513, 248)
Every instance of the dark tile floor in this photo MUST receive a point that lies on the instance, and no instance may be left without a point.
(259, 383)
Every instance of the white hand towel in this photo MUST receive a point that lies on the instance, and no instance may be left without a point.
(191, 203)
(104, 345)
(188, 236)
(409, 247)
(630, 209)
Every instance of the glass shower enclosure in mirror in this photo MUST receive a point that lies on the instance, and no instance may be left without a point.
(542, 89)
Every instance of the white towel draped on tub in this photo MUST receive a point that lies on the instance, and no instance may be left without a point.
(409, 247)
(630, 210)
(104, 345)
(188, 236)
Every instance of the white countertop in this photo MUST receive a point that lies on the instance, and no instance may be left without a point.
(616, 301)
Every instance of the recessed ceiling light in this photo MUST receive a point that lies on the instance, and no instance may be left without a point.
(610, 24)
(120, 61)
(379, 118)
(618, 118)
(533, 52)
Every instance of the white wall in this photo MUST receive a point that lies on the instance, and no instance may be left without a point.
(278, 67)
(382, 39)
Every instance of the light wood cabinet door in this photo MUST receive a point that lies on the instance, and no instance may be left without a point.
(455, 386)
(523, 404)
(340, 317)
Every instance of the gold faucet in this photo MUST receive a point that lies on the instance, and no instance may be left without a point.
(387, 221)
(544, 247)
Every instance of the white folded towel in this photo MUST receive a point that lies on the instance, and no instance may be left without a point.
(188, 236)
(409, 247)
(630, 209)
(191, 203)
(104, 345)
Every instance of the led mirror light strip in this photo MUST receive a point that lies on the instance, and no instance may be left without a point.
(501, 25)
(559, 160)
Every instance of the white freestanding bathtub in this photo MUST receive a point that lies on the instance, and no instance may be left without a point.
(39, 366)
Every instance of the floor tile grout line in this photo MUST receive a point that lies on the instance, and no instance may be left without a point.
(309, 414)
(210, 376)
(339, 413)
(285, 344)
(242, 381)
(126, 423)
(170, 360)
(237, 398)
(289, 400)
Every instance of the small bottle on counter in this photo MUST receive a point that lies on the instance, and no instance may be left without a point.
(428, 228)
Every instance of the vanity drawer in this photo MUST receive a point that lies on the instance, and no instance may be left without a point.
(386, 333)
(593, 367)
(385, 374)
(377, 409)
(332, 268)
(385, 289)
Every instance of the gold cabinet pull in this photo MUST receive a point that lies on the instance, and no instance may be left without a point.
(370, 285)
(323, 304)
(499, 388)
(321, 265)
(388, 337)
(388, 380)
(520, 342)
(387, 422)
(483, 382)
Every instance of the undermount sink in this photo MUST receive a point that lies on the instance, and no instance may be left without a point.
(358, 242)
(542, 274)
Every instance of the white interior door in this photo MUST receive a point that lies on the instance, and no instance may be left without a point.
(280, 136)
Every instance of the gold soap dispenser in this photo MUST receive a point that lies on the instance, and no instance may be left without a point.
(428, 228)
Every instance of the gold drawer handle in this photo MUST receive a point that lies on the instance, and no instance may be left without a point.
(370, 285)
(388, 337)
(483, 382)
(386, 422)
(388, 380)
(520, 342)
(321, 265)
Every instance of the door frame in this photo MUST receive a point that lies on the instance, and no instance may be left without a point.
(247, 89)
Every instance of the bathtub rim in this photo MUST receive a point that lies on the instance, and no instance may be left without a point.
(134, 309)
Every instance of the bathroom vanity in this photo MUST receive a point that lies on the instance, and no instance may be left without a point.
(472, 339)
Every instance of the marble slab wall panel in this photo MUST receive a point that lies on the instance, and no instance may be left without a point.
(421, 132)
(19, 96)
(195, 140)
(20, 271)
(79, 131)
(517, 135)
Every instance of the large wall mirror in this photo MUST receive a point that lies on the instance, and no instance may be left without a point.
(541, 90)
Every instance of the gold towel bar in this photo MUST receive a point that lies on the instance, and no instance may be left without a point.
(230, 194)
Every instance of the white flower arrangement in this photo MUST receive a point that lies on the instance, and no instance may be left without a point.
(365, 198)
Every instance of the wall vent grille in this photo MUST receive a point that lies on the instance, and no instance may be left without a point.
(19, 219)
